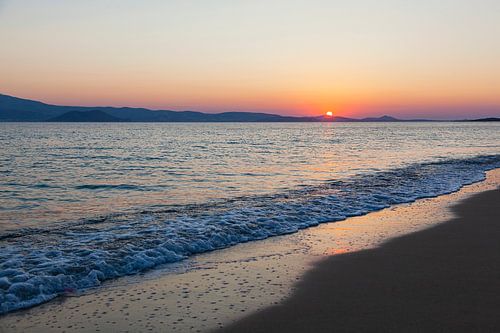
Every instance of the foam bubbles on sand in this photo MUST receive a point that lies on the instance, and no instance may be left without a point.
(38, 264)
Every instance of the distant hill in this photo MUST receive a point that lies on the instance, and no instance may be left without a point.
(85, 116)
(372, 119)
(486, 119)
(383, 118)
(19, 110)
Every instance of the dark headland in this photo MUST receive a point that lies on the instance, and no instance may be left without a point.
(23, 110)
(443, 279)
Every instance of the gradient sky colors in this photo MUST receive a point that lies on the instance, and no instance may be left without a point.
(435, 59)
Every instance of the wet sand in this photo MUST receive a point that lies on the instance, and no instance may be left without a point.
(442, 279)
(215, 289)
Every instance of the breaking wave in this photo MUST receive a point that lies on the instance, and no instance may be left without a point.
(38, 264)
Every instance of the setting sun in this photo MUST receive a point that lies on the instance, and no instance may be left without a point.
(329, 114)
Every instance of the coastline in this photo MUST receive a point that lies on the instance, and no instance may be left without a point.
(215, 289)
(442, 279)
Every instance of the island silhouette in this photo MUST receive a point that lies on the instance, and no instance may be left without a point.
(14, 109)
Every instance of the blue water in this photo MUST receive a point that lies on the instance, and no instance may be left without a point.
(83, 203)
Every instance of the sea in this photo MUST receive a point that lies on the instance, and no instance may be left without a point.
(82, 203)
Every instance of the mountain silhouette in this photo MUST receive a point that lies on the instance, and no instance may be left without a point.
(24, 110)
(85, 116)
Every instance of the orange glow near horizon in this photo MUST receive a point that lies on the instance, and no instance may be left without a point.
(263, 101)
(298, 59)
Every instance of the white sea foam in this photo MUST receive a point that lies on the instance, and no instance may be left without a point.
(36, 265)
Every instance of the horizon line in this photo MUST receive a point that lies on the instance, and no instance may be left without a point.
(381, 115)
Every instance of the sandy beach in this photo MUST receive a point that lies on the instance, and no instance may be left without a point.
(442, 279)
(318, 278)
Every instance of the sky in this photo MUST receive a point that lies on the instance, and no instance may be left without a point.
(411, 59)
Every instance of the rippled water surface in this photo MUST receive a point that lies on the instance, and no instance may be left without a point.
(82, 203)
(57, 172)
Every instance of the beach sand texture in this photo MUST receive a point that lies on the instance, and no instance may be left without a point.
(442, 279)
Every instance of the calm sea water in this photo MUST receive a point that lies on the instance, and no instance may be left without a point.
(82, 203)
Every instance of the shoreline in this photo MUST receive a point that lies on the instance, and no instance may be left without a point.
(442, 279)
(215, 289)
